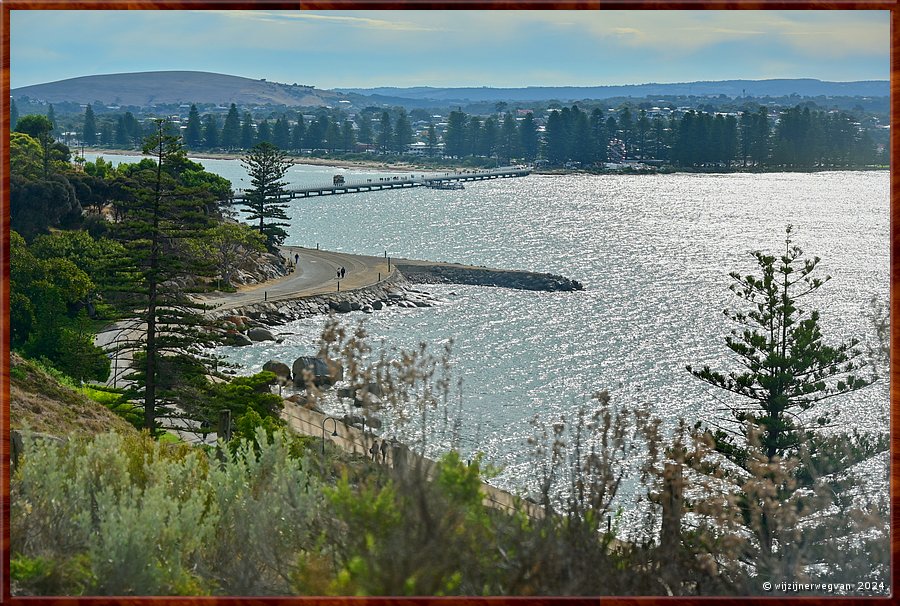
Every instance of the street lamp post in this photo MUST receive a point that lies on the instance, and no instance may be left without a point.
(334, 433)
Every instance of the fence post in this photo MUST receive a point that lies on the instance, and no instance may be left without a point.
(224, 428)
(672, 501)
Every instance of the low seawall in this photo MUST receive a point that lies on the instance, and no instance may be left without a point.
(355, 441)
(391, 291)
(420, 272)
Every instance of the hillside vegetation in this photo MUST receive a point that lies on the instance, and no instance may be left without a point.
(39, 402)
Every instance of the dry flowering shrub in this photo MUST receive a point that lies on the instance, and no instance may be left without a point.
(412, 386)
(779, 519)
(581, 465)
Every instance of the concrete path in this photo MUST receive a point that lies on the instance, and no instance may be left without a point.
(315, 274)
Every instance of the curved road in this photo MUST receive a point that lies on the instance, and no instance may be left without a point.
(315, 274)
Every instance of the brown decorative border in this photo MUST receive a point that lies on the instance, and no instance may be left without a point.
(7, 5)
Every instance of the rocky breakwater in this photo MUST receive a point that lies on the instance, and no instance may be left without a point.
(421, 272)
(249, 323)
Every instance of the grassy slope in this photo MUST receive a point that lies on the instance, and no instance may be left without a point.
(40, 403)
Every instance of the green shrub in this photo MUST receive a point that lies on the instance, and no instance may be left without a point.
(133, 516)
(46, 366)
(116, 401)
(102, 396)
(43, 575)
(141, 532)
(267, 505)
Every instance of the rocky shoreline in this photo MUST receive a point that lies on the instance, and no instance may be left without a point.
(246, 324)
(395, 291)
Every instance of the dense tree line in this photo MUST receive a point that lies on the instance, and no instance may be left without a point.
(502, 137)
(760, 138)
(794, 138)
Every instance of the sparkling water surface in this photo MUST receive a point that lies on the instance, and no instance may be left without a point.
(653, 253)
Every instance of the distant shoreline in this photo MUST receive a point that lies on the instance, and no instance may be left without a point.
(406, 166)
(398, 167)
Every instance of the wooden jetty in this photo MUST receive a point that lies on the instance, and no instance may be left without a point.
(437, 181)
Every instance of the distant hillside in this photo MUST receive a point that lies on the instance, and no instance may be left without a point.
(733, 88)
(146, 89)
(151, 88)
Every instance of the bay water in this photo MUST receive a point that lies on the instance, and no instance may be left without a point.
(653, 252)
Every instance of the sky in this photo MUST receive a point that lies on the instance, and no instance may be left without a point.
(332, 49)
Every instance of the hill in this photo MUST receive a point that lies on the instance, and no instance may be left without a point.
(145, 89)
(804, 87)
(40, 403)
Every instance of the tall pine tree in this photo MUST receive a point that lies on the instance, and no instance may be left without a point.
(348, 136)
(787, 368)
(89, 131)
(385, 134)
(121, 131)
(508, 143)
(455, 135)
(528, 137)
(788, 488)
(297, 134)
(266, 166)
(364, 122)
(210, 132)
(193, 134)
(248, 134)
(281, 134)
(402, 132)
(264, 132)
(231, 131)
(159, 216)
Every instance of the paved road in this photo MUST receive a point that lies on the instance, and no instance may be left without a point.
(315, 274)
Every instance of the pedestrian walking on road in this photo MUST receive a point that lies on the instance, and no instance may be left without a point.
(343, 271)
(296, 258)
(384, 451)
(374, 450)
(338, 274)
